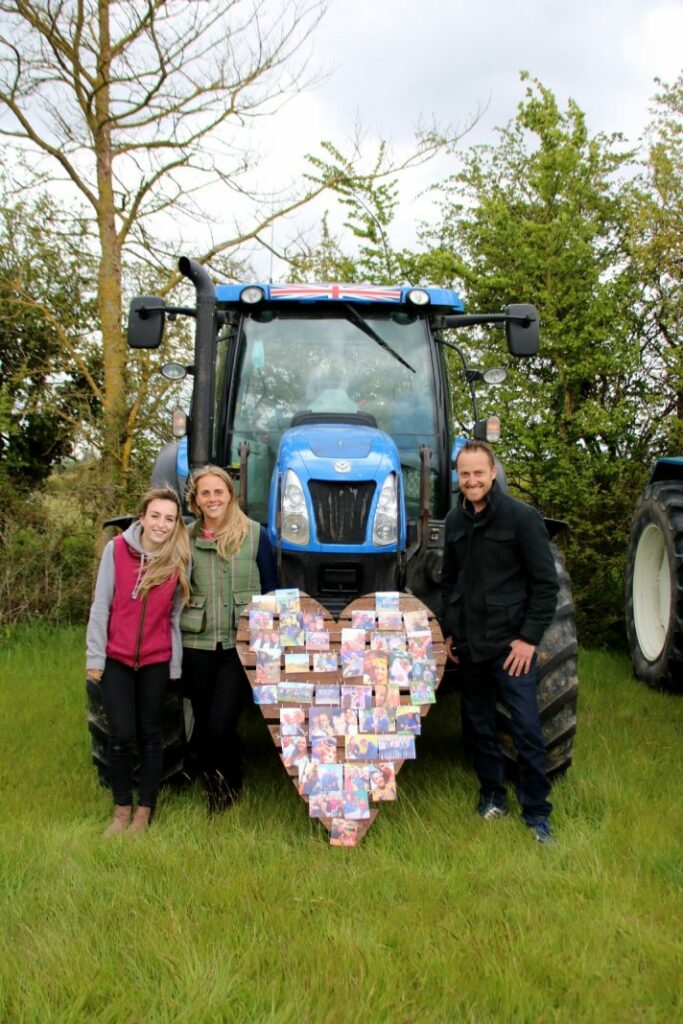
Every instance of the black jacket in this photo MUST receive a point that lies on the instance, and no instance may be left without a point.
(499, 581)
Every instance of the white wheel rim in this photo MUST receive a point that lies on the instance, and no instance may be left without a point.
(651, 592)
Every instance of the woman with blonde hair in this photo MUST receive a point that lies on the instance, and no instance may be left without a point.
(232, 558)
(134, 646)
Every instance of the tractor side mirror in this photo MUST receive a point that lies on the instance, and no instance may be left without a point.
(522, 329)
(146, 317)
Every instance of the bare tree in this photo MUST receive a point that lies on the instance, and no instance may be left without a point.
(141, 106)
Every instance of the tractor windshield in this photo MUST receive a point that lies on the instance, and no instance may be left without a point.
(289, 363)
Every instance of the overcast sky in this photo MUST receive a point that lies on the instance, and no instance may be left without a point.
(392, 62)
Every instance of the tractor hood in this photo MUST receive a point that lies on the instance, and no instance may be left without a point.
(338, 451)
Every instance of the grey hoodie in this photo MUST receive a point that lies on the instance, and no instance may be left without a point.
(98, 623)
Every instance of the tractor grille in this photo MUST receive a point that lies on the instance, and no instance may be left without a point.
(341, 510)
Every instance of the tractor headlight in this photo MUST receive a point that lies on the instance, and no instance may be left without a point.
(385, 526)
(295, 525)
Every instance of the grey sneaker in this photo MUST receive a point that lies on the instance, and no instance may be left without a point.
(541, 830)
(489, 809)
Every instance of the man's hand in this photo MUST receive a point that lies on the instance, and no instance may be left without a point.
(449, 651)
(518, 661)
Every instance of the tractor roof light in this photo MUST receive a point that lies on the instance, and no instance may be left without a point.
(493, 429)
(418, 297)
(252, 295)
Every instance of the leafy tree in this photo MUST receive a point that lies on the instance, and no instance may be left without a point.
(543, 217)
(50, 375)
(141, 107)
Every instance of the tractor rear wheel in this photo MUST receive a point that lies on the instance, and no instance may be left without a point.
(654, 586)
(556, 672)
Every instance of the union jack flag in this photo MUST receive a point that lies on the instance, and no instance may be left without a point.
(359, 293)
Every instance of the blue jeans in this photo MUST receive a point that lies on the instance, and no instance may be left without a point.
(484, 682)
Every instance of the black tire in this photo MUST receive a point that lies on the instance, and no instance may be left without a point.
(558, 685)
(173, 725)
(654, 587)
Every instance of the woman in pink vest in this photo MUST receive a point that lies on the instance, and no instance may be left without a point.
(134, 646)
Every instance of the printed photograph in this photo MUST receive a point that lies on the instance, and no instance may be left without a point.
(377, 719)
(387, 696)
(296, 663)
(422, 693)
(400, 669)
(344, 832)
(345, 721)
(383, 781)
(325, 805)
(389, 622)
(416, 622)
(420, 646)
(293, 722)
(288, 600)
(295, 752)
(363, 747)
(357, 776)
(356, 805)
(327, 694)
(267, 672)
(291, 619)
(318, 641)
(352, 664)
(375, 668)
(266, 642)
(309, 779)
(408, 719)
(424, 671)
(331, 777)
(396, 748)
(387, 600)
(259, 619)
(388, 642)
(292, 636)
(265, 694)
(361, 619)
(356, 696)
(314, 622)
(265, 602)
(324, 749)
(297, 693)
(352, 639)
(324, 661)
(320, 722)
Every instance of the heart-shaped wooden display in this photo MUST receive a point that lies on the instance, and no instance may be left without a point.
(343, 699)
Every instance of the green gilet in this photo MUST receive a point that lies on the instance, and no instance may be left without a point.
(220, 589)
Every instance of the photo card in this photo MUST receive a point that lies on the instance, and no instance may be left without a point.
(416, 622)
(324, 749)
(363, 747)
(352, 664)
(363, 619)
(324, 661)
(352, 639)
(387, 696)
(287, 600)
(296, 663)
(314, 622)
(293, 722)
(377, 719)
(260, 619)
(265, 694)
(297, 693)
(356, 806)
(422, 693)
(396, 748)
(375, 668)
(266, 642)
(318, 641)
(408, 719)
(327, 694)
(320, 722)
(344, 832)
(389, 622)
(345, 721)
(387, 600)
(383, 781)
(356, 696)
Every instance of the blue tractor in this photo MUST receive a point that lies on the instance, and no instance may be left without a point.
(330, 405)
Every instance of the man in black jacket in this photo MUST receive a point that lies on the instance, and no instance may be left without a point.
(499, 590)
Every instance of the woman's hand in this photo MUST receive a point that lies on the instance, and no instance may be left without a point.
(94, 674)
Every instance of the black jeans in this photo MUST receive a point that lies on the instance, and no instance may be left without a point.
(482, 683)
(219, 690)
(133, 703)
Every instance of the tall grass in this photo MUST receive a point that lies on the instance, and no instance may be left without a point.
(253, 917)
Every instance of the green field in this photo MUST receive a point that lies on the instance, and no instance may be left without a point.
(436, 917)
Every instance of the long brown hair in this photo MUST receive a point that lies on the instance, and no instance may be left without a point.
(235, 526)
(173, 557)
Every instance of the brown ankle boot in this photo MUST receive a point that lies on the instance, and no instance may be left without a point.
(121, 820)
(141, 819)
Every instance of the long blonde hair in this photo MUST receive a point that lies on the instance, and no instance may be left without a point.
(235, 526)
(173, 557)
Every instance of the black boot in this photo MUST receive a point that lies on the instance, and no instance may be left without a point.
(220, 796)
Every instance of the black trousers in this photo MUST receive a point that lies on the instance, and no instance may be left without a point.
(483, 683)
(133, 703)
(219, 690)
